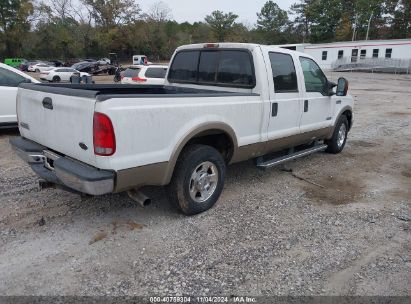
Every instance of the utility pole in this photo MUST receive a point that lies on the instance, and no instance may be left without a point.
(369, 23)
(354, 33)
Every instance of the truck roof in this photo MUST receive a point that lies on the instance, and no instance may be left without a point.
(237, 45)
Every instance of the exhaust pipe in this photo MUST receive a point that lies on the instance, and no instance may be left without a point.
(139, 197)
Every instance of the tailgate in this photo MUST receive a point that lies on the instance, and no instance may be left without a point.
(61, 122)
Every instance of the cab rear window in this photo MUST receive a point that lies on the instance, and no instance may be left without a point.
(185, 67)
(231, 68)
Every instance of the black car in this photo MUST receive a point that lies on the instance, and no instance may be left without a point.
(25, 65)
(57, 63)
(94, 68)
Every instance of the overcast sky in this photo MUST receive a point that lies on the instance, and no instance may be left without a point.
(196, 10)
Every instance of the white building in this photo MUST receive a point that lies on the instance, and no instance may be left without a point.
(328, 54)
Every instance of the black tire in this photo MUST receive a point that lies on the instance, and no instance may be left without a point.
(37, 71)
(56, 79)
(337, 142)
(192, 162)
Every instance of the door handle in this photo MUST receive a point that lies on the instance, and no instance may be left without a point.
(305, 106)
(274, 109)
(47, 103)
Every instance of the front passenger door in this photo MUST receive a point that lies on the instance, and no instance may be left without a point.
(317, 105)
(67, 74)
(285, 98)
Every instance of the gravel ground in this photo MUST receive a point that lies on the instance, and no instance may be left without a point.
(270, 233)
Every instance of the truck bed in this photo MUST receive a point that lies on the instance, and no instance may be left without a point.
(102, 92)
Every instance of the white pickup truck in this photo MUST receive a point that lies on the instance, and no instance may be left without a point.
(221, 104)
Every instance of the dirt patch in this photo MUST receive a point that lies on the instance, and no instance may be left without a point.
(335, 190)
(98, 237)
(118, 225)
(363, 144)
(406, 173)
(399, 113)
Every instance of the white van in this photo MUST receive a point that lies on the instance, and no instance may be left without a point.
(140, 60)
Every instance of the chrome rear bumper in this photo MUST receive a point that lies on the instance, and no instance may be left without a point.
(62, 170)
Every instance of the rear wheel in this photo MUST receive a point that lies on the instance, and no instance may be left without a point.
(337, 142)
(198, 179)
(56, 79)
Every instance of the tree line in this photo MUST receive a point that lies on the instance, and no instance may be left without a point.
(66, 29)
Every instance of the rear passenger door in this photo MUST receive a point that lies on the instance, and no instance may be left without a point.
(317, 112)
(62, 74)
(66, 74)
(285, 99)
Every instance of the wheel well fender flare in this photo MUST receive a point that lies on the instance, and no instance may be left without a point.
(343, 111)
(215, 126)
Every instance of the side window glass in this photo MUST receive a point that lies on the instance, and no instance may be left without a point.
(315, 80)
(284, 75)
(156, 73)
(10, 79)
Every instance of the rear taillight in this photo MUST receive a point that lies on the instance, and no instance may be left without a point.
(139, 79)
(104, 138)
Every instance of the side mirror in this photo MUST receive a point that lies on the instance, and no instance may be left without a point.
(331, 85)
(342, 87)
